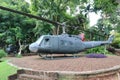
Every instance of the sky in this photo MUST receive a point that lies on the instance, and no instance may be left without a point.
(27, 1)
(94, 18)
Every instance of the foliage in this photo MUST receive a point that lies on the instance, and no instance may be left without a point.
(2, 53)
(55, 10)
(6, 70)
(107, 9)
(116, 41)
(101, 30)
(15, 27)
(97, 50)
(77, 24)
(109, 17)
(107, 6)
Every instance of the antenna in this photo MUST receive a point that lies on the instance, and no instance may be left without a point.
(63, 27)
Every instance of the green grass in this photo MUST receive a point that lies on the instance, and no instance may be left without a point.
(6, 70)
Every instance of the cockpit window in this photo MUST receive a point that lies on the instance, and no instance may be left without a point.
(47, 39)
(39, 40)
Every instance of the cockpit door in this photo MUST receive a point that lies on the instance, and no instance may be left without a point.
(54, 44)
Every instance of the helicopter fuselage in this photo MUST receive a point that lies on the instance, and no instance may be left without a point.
(63, 44)
(57, 44)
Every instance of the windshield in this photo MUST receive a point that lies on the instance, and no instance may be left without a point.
(39, 40)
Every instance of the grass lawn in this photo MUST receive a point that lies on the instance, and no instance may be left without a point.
(6, 70)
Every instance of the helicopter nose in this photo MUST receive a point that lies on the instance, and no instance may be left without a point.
(33, 47)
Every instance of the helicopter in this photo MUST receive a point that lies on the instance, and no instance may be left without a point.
(59, 44)
(64, 44)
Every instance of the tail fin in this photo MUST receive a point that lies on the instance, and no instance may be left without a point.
(110, 39)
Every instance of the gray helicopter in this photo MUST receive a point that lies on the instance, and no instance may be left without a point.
(64, 44)
(59, 44)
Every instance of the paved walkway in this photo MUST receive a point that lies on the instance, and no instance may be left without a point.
(80, 64)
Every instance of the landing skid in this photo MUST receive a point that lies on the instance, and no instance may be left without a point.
(57, 56)
(44, 56)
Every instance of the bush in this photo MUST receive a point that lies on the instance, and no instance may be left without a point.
(100, 49)
(2, 53)
(116, 41)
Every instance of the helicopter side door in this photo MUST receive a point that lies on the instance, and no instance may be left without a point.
(66, 45)
(54, 44)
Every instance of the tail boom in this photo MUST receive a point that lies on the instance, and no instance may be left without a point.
(92, 44)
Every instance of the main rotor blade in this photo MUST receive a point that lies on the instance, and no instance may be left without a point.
(30, 15)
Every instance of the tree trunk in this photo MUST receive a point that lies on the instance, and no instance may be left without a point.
(20, 48)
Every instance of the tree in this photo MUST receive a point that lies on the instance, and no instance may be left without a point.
(107, 6)
(55, 10)
(108, 9)
(16, 29)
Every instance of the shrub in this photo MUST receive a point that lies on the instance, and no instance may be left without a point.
(100, 49)
(116, 41)
(2, 53)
